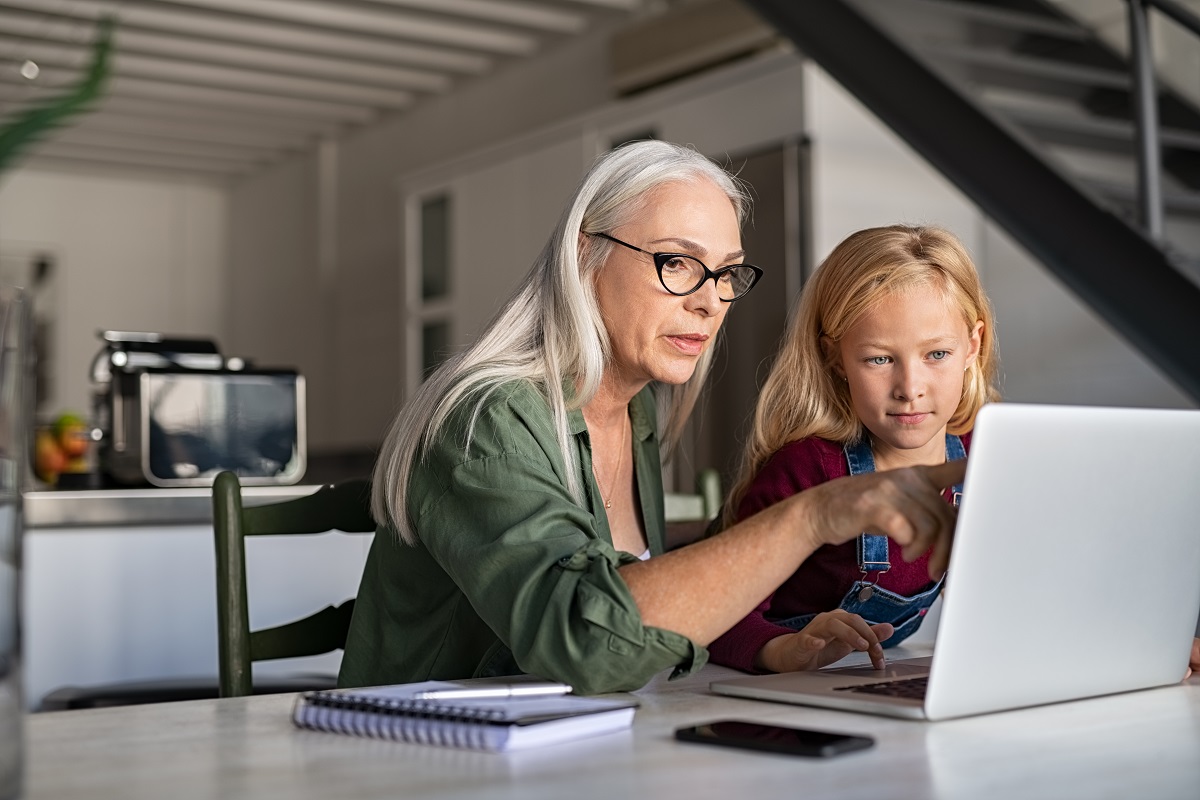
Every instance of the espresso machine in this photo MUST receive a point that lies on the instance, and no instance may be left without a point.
(173, 411)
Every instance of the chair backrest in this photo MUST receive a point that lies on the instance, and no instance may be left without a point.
(688, 515)
(343, 507)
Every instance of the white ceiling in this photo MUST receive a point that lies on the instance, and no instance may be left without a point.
(224, 87)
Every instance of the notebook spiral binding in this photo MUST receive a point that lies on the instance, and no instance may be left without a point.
(421, 721)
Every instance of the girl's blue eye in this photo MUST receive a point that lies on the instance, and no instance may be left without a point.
(878, 361)
(938, 355)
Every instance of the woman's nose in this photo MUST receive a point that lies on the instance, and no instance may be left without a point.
(706, 300)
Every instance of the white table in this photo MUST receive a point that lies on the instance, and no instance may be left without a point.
(1141, 745)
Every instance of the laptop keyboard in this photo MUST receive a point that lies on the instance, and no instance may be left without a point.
(912, 688)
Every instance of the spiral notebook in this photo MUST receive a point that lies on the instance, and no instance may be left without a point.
(396, 712)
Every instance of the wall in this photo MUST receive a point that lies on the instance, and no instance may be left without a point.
(130, 254)
(359, 302)
(508, 196)
(280, 309)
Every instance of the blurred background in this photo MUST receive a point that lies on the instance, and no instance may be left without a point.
(350, 188)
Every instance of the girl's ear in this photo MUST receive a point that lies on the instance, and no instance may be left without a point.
(974, 344)
(833, 356)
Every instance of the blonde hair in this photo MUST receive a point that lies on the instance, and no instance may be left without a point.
(550, 331)
(803, 396)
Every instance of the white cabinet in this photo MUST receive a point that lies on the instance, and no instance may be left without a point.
(105, 604)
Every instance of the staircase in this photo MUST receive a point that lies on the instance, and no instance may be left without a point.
(1030, 114)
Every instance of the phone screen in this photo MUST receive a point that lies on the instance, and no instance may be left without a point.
(774, 738)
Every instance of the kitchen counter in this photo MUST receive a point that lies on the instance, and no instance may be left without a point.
(120, 585)
(137, 507)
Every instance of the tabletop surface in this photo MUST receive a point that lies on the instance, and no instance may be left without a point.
(1136, 745)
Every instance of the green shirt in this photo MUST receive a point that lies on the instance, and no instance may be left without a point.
(509, 574)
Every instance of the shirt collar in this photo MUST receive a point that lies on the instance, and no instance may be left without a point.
(641, 416)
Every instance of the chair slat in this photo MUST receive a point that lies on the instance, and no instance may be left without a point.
(322, 632)
(336, 507)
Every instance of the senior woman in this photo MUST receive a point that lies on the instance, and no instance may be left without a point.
(520, 494)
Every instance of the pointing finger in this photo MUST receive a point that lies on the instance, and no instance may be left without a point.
(947, 474)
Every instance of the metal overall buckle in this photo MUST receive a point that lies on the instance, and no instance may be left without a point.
(865, 593)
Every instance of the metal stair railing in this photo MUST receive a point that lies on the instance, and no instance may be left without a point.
(1147, 136)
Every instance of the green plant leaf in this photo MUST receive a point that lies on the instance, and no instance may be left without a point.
(26, 126)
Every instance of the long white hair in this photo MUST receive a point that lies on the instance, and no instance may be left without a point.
(550, 332)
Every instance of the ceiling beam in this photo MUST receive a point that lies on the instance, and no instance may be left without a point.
(227, 98)
(97, 155)
(75, 166)
(618, 5)
(412, 27)
(239, 118)
(187, 114)
(518, 14)
(193, 130)
(26, 28)
(243, 156)
(161, 69)
(142, 17)
(224, 86)
(246, 102)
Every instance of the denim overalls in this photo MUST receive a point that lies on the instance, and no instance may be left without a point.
(871, 602)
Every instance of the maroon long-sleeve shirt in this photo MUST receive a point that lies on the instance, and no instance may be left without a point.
(824, 578)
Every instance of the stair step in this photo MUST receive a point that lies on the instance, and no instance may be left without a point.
(1104, 134)
(1050, 76)
(917, 12)
(1175, 201)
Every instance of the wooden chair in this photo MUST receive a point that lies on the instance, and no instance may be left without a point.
(343, 507)
(689, 515)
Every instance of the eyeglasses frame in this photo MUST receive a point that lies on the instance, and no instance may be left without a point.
(661, 259)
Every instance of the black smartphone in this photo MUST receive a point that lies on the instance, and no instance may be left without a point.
(773, 738)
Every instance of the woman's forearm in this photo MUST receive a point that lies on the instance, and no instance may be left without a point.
(701, 590)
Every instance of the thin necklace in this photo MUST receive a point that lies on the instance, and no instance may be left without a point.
(620, 462)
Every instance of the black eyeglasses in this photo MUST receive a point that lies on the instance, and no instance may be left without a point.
(681, 274)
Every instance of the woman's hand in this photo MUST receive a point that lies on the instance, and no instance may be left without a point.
(904, 504)
(829, 637)
(1194, 661)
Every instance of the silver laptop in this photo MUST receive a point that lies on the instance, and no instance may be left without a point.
(1075, 571)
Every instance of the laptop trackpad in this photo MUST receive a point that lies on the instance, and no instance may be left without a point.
(895, 669)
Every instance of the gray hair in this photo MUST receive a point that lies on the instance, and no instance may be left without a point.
(551, 329)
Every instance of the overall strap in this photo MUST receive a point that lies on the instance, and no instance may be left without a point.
(873, 548)
(955, 452)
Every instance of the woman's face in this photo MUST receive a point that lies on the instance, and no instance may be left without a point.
(658, 336)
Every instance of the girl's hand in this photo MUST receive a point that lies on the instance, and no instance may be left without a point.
(1194, 661)
(829, 637)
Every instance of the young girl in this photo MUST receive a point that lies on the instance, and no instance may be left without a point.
(888, 360)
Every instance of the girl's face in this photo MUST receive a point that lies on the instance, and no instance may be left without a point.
(905, 361)
(656, 335)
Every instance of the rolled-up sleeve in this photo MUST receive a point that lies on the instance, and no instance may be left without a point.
(532, 566)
